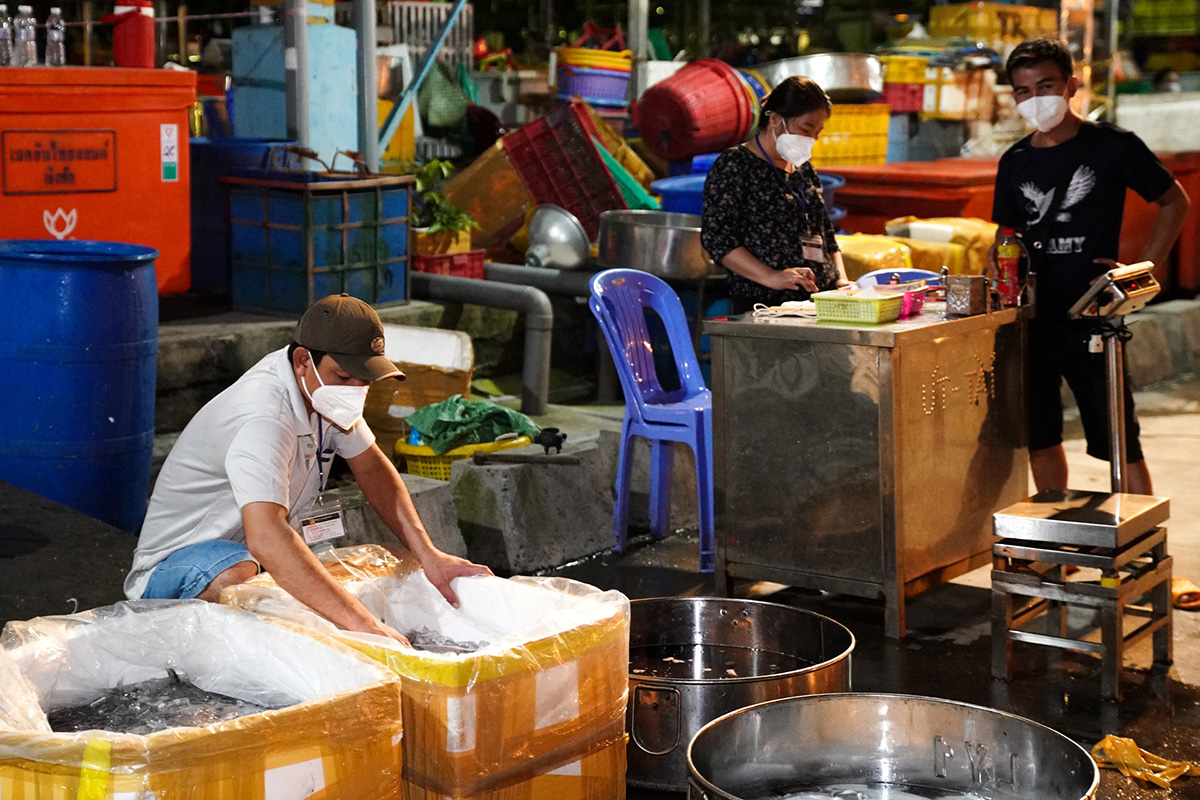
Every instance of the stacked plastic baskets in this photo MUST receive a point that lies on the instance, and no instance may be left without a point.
(601, 77)
(703, 108)
(903, 82)
(558, 163)
(854, 134)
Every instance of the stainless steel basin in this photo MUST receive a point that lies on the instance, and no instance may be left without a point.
(659, 242)
(845, 77)
(692, 659)
(922, 745)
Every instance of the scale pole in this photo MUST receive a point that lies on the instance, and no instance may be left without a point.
(1113, 349)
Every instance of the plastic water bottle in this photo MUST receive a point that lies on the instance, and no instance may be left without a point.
(1010, 261)
(6, 36)
(56, 39)
(25, 38)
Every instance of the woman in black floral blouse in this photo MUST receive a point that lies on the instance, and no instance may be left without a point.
(764, 214)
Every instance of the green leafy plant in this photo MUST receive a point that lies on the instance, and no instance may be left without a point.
(431, 209)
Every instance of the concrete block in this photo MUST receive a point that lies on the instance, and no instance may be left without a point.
(1181, 324)
(519, 518)
(434, 501)
(683, 481)
(1148, 356)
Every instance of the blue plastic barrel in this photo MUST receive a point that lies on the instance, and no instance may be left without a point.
(78, 350)
(683, 194)
(829, 186)
(211, 160)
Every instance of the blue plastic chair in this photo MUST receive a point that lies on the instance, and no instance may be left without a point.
(881, 276)
(619, 300)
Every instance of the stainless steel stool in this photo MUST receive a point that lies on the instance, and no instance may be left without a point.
(1117, 534)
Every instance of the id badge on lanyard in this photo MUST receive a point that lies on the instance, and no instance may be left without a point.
(321, 520)
(812, 248)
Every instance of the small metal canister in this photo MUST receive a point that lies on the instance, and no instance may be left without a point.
(966, 295)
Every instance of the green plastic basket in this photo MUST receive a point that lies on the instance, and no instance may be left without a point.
(843, 307)
(634, 193)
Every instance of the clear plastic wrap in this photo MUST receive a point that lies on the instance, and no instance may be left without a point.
(337, 725)
(540, 706)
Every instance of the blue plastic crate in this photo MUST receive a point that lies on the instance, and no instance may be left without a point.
(295, 240)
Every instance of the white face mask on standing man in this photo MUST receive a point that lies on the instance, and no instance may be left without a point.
(1043, 113)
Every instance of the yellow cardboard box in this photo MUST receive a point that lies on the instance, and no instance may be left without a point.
(547, 692)
(340, 740)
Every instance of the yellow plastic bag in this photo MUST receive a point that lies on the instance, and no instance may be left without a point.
(976, 235)
(863, 253)
(1118, 752)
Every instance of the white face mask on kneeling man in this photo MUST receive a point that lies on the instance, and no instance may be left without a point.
(349, 331)
(342, 405)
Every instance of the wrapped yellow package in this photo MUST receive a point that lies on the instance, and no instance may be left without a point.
(863, 253)
(976, 235)
(534, 708)
(333, 731)
(935, 255)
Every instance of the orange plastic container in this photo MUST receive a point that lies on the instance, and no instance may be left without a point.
(99, 153)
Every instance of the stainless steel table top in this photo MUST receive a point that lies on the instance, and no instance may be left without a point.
(930, 324)
(1095, 519)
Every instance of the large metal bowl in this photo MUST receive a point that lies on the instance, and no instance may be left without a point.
(922, 745)
(658, 242)
(845, 77)
(693, 659)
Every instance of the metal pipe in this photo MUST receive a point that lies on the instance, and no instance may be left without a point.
(574, 283)
(530, 301)
(295, 64)
(181, 25)
(638, 41)
(1116, 411)
(368, 84)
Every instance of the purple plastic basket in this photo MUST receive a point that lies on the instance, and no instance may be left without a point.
(599, 87)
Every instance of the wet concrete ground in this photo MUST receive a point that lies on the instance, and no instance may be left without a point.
(947, 652)
(53, 560)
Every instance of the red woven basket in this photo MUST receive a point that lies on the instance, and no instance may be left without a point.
(703, 108)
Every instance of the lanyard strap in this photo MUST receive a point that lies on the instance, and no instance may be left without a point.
(320, 457)
(779, 175)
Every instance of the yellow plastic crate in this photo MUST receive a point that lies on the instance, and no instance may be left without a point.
(843, 307)
(858, 118)
(903, 69)
(421, 460)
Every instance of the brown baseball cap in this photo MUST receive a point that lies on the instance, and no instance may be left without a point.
(349, 330)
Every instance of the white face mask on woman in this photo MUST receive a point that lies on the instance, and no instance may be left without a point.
(1044, 112)
(793, 147)
(341, 405)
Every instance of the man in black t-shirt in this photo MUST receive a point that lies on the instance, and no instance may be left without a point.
(1064, 187)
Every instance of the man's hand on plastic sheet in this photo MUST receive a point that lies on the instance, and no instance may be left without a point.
(441, 568)
(391, 633)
